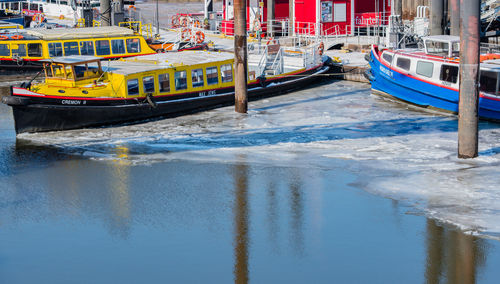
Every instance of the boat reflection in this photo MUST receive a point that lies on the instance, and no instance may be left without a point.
(241, 224)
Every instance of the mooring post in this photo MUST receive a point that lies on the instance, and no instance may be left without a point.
(454, 6)
(436, 17)
(240, 56)
(469, 75)
(157, 19)
(105, 11)
(270, 17)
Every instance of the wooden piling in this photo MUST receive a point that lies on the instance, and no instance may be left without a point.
(436, 20)
(105, 11)
(240, 56)
(454, 6)
(270, 17)
(469, 76)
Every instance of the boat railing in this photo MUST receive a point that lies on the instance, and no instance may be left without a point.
(311, 56)
(138, 27)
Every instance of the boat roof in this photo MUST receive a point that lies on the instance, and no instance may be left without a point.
(442, 38)
(77, 33)
(71, 59)
(139, 64)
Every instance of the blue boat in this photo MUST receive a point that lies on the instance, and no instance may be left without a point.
(429, 77)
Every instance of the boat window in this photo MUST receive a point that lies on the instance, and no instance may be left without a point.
(71, 48)
(25, 6)
(403, 63)
(34, 6)
(149, 84)
(425, 68)
(34, 49)
(437, 48)
(488, 82)
(63, 3)
(87, 48)
(387, 57)
(55, 49)
(18, 50)
(133, 45)
(226, 73)
(449, 73)
(212, 76)
(180, 80)
(164, 82)
(133, 87)
(58, 71)
(102, 47)
(4, 50)
(197, 77)
(118, 46)
(69, 71)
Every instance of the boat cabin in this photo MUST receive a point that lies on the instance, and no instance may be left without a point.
(442, 45)
(72, 69)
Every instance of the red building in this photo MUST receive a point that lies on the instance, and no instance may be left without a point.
(312, 17)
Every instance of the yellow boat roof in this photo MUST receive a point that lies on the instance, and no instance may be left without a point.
(79, 33)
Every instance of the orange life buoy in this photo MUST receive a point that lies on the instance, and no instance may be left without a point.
(184, 21)
(16, 37)
(175, 21)
(185, 33)
(256, 25)
(199, 37)
(321, 48)
(197, 24)
(271, 41)
(2, 37)
(489, 56)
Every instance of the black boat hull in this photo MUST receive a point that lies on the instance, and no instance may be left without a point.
(41, 114)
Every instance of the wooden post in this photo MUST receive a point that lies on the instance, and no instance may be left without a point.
(436, 20)
(469, 75)
(270, 17)
(105, 11)
(240, 56)
(454, 17)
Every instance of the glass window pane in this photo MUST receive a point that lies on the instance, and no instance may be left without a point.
(19, 50)
(387, 57)
(133, 45)
(118, 46)
(71, 48)
(488, 82)
(148, 84)
(87, 48)
(227, 73)
(197, 77)
(133, 87)
(34, 49)
(212, 76)
(55, 49)
(449, 73)
(425, 68)
(102, 47)
(4, 50)
(180, 78)
(164, 82)
(403, 63)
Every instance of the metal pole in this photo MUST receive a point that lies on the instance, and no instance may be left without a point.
(398, 8)
(270, 17)
(240, 56)
(454, 17)
(436, 17)
(105, 11)
(469, 75)
(157, 17)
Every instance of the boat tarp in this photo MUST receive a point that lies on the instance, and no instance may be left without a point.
(78, 33)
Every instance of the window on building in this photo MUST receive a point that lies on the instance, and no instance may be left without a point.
(212, 76)
(339, 12)
(19, 50)
(425, 68)
(118, 46)
(387, 57)
(133, 45)
(4, 50)
(55, 49)
(180, 78)
(133, 87)
(488, 82)
(403, 63)
(226, 73)
(164, 82)
(102, 47)
(197, 77)
(449, 73)
(148, 84)
(71, 48)
(87, 48)
(35, 49)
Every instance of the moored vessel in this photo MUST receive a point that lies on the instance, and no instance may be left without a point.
(429, 77)
(80, 92)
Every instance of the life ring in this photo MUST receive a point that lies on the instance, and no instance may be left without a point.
(321, 48)
(39, 18)
(197, 24)
(185, 34)
(2, 37)
(199, 37)
(183, 21)
(61, 17)
(271, 41)
(256, 25)
(175, 21)
(16, 37)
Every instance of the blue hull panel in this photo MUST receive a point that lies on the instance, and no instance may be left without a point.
(424, 94)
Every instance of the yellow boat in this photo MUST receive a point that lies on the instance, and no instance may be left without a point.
(83, 92)
(26, 48)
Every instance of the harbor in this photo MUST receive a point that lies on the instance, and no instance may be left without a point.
(142, 169)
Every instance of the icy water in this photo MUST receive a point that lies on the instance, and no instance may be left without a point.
(324, 185)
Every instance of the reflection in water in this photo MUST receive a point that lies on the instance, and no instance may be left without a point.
(297, 208)
(241, 224)
(460, 254)
(273, 214)
(119, 187)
